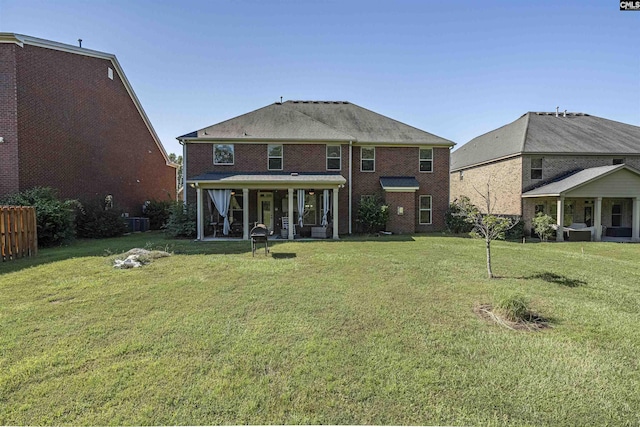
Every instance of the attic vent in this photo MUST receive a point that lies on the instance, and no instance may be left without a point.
(110, 72)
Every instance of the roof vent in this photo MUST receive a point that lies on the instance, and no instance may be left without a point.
(565, 113)
(557, 108)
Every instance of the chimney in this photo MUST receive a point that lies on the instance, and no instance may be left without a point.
(557, 108)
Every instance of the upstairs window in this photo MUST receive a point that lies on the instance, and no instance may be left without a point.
(275, 157)
(536, 168)
(426, 160)
(223, 154)
(334, 158)
(367, 159)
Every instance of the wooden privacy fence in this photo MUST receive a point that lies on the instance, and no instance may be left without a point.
(18, 232)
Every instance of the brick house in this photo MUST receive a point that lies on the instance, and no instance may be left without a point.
(302, 167)
(580, 169)
(69, 119)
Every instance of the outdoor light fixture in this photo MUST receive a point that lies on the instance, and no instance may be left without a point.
(311, 192)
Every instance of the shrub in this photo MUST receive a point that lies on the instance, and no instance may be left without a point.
(454, 221)
(517, 231)
(513, 307)
(55, 217)
(182, 220)
(543, 226)
(94, 221)
(373, 214)
(158, 212)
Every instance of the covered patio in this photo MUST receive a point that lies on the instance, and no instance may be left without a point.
(601, 203)
(229, 205)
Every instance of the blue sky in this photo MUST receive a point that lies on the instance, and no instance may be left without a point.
(455, 69)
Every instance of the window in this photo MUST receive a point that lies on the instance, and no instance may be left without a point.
(333, 157)
(616, 215)
(275, 157)
(618, 161)
(426, 160)
(110, 72)
(536, 168)
(310, 207)
(425, 209)
(367, 159)
(539, 209)
(223, 154)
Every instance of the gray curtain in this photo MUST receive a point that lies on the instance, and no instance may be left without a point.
(301, 207)
(325, 207)
(222, 199)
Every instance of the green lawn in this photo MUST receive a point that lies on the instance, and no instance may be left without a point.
(378, 331)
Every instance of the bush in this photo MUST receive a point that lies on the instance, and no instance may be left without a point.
(517, 231)
(543, 226)
(158, 212)
(182, 220)
(513, 307)
(454, 221)
(55, 217)
(373, 214)
(94, 221)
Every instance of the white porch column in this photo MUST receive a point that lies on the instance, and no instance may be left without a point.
(335, 213)
(560, 220)
(290, 213)
(597, 219)
(245, 214)
(200, 228)
(635, 220)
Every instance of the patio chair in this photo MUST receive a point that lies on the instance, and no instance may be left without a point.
(284, 231)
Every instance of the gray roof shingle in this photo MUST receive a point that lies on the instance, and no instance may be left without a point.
(318, 121)
(561, 186)
(544, 133)
(391, 182)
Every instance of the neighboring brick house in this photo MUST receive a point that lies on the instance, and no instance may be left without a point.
(580, 169)
(314, 156)
(70, 120)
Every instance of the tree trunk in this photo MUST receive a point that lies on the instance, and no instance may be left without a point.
(489, 272)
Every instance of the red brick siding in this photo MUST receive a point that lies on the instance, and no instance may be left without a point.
(9, 173)
(404, 161)
(80, 132)
(390, 161)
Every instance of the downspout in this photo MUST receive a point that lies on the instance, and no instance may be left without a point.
(350, 183)
(184, 172)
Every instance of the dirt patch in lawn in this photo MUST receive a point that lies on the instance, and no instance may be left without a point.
(531, 322)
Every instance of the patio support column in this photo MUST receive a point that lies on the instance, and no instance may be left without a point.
(597, 216)
(200, 228)
(560, 212)
(245, 214)
(290, 213)
(335, 213)
(635, 220)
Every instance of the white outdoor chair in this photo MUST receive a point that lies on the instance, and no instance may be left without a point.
(284, 232)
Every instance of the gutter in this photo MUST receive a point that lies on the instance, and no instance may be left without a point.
(184, 170)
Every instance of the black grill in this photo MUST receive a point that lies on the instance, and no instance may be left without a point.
(259, 234)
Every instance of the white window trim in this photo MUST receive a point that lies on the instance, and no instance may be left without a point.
(339, 157)
(430, 209)
(420, 160)
(374, 159)
(233, 148)
(275, 157)
(541, 169)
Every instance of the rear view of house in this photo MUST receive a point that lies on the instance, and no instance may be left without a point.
(582, 170)
(302, 168)
(69, 119)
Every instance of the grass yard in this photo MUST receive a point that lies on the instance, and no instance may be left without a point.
(378, 331)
